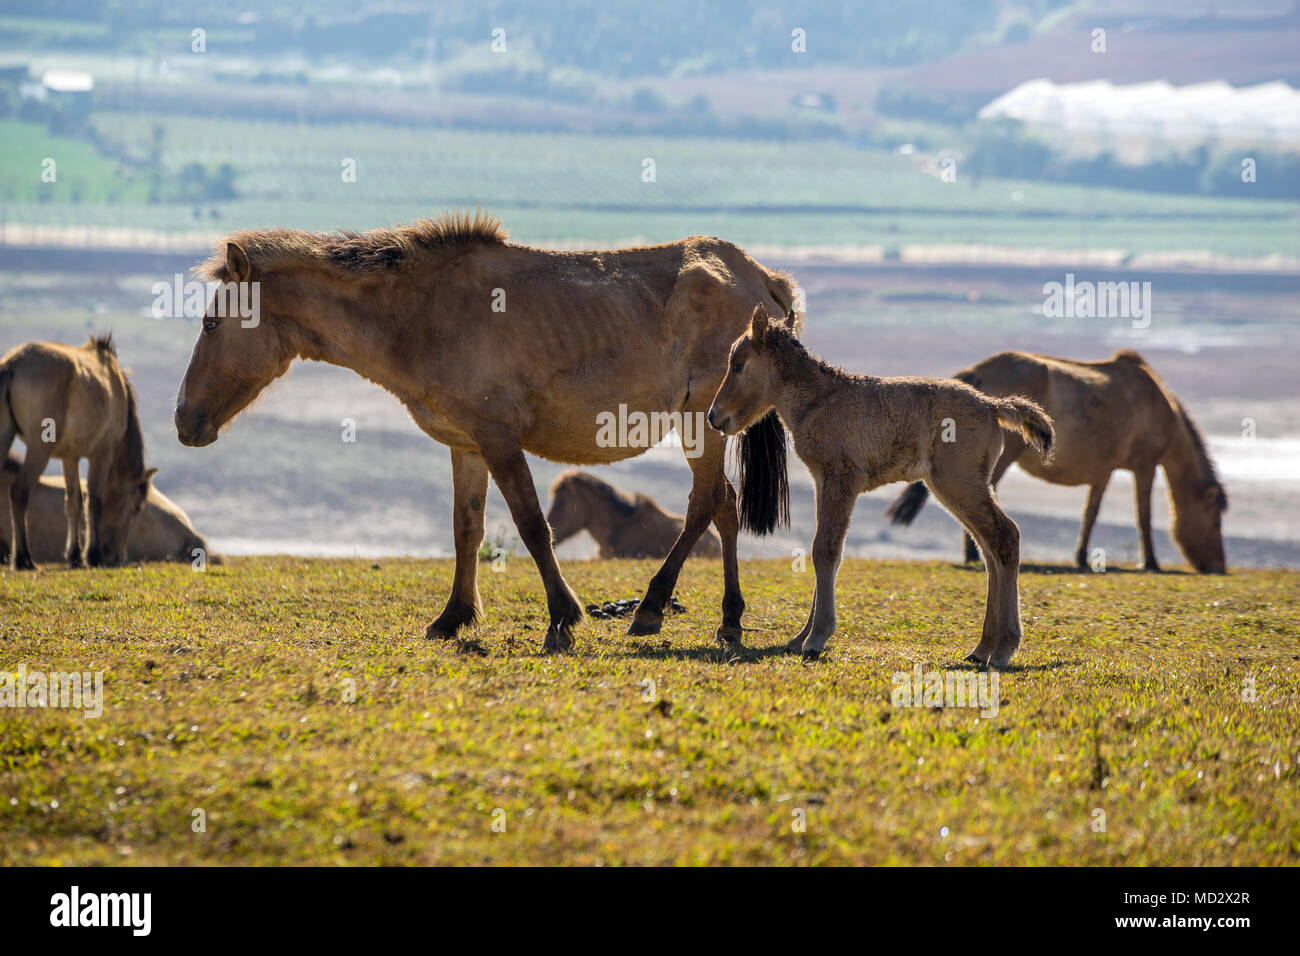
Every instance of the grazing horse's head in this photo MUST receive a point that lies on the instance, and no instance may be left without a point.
(568, 513)
(1197, 526)
(234, 359)
(124, 497)
(749, 388)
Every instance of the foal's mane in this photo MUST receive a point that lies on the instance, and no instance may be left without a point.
(346, 251)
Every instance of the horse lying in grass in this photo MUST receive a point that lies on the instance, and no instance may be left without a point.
(72, 403)
(856, 432)
(496, 350)
(1110, 414)
(624, 525)
(160, 532)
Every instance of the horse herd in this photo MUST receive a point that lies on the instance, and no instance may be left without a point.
(497, 349)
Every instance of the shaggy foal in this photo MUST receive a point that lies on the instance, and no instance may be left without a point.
(856, 432)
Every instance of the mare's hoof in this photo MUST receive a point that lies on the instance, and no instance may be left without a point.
(558, 640)
(639, 628)
(811, 655)
(730, 635)
(794, 645)
(23, 562)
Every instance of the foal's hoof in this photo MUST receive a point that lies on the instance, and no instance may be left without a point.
(730, 635)
(811, 655)
(794, 645)
(558, 640)
(23, 562)
(975, 657)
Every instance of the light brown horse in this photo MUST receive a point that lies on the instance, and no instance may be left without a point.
(1110, 414)
(160, 532)
(857, 432)
(497, 349)
(72, 403)
(624, 525)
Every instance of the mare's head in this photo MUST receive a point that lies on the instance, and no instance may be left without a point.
(235, 357)
(1197, 526)
(749, 388)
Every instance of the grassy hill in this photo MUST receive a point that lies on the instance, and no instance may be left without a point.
(226, 691)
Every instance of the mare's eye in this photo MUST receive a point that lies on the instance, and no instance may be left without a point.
(738, 367)
(209, 325)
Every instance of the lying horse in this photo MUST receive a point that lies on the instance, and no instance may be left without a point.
(856, 432)
(73, 403)
(498, 349)
(1110, 414)
(624, 525)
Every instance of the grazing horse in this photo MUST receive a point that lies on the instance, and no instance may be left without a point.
(856, 432)
(72, 403)
(160, 532)
(624, 525)
(1110, 414)
(498, 349)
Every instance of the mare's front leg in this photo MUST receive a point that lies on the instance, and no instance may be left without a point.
(74, 513)
(505, 460)
(708, 496)
(835, 500)
(1143, 478)
(20, 493)
(469, 476)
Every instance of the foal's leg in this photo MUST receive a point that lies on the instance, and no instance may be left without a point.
(972, 502)
(505, 460)
(708, 495)
(72, 510)
(1143, 478)
(1095, 491)
(834, 510)
(20, 493)
(469, 476)
(727, 521)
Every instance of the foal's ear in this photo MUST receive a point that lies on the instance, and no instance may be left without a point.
(237, 263)
(758, 323)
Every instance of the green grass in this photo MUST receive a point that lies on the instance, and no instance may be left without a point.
(224, 692)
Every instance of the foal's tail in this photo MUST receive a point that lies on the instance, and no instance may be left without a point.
(1031, 422)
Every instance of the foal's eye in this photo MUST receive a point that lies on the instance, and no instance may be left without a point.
(738, 367)
(209, 325)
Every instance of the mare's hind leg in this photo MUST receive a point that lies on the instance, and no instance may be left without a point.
(73, 512)
(972, 502)
(708, 495)
(469, 476)
(20, 492)
(505, 460)
(727, 521)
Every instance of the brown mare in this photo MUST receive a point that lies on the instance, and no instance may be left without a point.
(857, 432)
(72, 403)
(624, 525)
(498, 349)
(1110, 414)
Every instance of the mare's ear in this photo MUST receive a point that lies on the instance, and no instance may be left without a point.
(758, 323)
(237, 263)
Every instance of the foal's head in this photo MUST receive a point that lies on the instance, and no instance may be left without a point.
(749, 389)
(234, 359)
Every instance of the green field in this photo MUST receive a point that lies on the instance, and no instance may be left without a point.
(224, 692)
(555, 187)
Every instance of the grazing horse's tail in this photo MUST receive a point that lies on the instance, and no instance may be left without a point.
(763, 474)
(1024, 417)
(907, 505)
